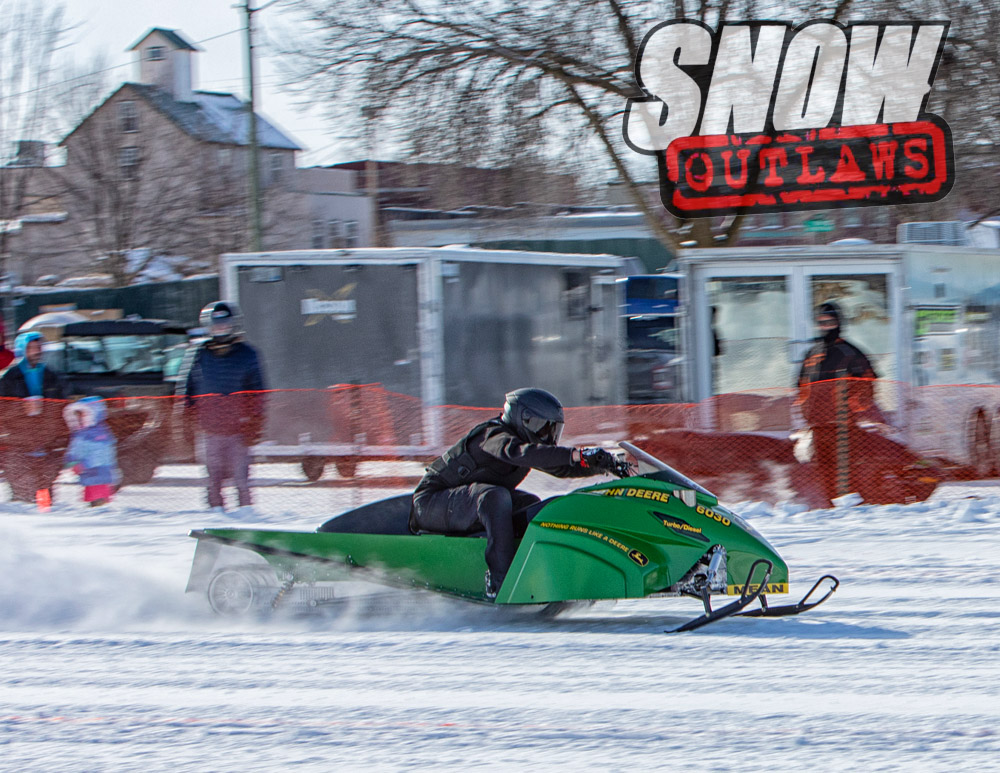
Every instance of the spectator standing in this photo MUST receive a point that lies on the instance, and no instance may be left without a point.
(836, 391)
(223, 389)
(33, 435)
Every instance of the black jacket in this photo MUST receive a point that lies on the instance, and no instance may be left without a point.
(22, 433)
(225, 390)
(492, 453)
(13, 384)
(822, 397)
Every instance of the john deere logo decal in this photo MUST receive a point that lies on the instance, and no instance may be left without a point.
(761, 116)
(638, 557)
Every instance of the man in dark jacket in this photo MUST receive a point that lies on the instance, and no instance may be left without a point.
(836, 391)
(473, 486)
(223, 389)
(34, 435)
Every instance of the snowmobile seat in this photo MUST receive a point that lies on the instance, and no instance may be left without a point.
(387, 516)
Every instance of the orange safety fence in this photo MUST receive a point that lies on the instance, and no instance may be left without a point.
(765, 445)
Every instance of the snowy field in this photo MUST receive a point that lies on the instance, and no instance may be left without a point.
(106, 664)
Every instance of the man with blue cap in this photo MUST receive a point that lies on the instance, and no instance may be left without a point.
(33, 435)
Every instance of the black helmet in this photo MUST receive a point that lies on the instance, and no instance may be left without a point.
(222, 320)
(830, 309)
(535, 415)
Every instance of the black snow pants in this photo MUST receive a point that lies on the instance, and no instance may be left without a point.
(466, 510)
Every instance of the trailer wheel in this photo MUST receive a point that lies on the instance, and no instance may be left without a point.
(313, 466)
(980, 451)
(346, 467)
(237, 591)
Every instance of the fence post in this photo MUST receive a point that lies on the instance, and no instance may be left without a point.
(843, 437)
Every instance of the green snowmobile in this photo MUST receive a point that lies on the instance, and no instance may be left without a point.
(646, 535)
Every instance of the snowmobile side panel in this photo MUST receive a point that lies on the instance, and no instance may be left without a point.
(654, 539)
(453, 565)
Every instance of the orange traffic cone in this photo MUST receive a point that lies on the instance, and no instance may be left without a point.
(43, 498)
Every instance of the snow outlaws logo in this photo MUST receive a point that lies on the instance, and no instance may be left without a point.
(764, 117)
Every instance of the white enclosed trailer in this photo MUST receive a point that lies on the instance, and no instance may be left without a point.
(449, 326)
(927, 316)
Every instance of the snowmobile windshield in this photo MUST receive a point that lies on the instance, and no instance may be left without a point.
(651, 466)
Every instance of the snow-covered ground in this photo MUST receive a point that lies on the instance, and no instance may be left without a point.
(106, 665)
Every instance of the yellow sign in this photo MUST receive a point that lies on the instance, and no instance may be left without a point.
(773, 587)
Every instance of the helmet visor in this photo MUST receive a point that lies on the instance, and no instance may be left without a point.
(220, 328)
(547, 431)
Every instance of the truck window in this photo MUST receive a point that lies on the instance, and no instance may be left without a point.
(121, 354)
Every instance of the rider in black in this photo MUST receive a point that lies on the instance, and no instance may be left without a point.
(473, 486)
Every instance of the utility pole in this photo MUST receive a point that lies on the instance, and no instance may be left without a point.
(255, 218)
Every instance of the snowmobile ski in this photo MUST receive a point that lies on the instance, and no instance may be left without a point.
(786, 610)
(748, 595)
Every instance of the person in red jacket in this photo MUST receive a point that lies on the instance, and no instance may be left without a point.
(6, 355)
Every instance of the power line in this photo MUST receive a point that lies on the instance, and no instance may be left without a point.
(106, 69)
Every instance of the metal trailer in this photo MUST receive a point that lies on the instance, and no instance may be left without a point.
(449, 326)
(928, 316)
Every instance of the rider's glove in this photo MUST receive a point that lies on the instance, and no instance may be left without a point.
(597, 459)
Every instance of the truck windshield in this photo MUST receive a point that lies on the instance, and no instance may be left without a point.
(123, 354)
(652, 333)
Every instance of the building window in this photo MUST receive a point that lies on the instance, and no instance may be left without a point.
(224, 158)
(576, 294)
(277, 165)
(318, 234)
(852, 218)
(335, 234)
(351, 232)
(156, 53)
(128, 117)
(128, 163)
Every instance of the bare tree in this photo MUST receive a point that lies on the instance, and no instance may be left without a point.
(539, 81)
(30, 35)
(134, 196)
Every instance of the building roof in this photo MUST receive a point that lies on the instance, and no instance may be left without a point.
(210, 117)
(172, 35)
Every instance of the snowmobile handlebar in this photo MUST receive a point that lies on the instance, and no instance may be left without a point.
(623, 468)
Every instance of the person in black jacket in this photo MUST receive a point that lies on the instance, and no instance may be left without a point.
(836, 391)
(473, 485)
(34, 435)
(223, 389)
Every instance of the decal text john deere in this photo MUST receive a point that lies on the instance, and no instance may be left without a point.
(766, 117)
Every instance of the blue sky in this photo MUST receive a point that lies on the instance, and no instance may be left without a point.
(114, 25)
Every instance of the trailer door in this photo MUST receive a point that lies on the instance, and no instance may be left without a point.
(748, 323)
(753, 321)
